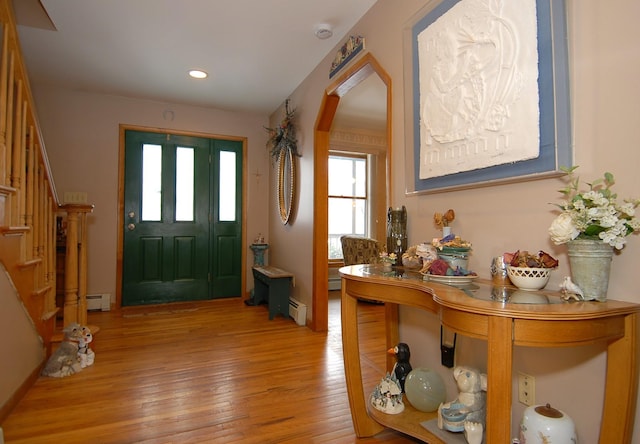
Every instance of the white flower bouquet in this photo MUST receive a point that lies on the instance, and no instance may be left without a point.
(594, 214)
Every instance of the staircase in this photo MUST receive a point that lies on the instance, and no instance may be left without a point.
(29, 206)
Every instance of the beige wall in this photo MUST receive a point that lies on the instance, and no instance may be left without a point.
(21, 345)
(605, 68)
(81, 132)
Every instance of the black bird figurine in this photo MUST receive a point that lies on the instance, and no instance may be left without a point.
(402, 367)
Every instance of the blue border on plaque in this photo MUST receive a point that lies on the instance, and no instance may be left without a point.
(553, 86)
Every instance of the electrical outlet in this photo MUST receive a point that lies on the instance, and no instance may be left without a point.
(526, 389)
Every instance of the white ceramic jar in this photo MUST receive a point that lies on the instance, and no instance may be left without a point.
(543, 424)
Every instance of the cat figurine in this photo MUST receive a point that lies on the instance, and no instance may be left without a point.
(65, 360)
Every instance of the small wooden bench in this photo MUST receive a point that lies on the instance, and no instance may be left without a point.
(273, 286)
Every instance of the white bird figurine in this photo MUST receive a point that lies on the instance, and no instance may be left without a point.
(570, 290)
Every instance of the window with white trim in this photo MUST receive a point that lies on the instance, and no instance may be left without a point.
(348, 199)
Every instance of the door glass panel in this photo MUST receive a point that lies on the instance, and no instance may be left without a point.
(151, 182)
(227, 186)
(184, 184)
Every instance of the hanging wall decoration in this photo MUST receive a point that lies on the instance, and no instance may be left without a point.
(283, 148)
(283, 137)
(488, 88)
(346, 53)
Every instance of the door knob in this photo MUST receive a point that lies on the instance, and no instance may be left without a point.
(131, 227)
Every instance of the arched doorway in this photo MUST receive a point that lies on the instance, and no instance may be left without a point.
(362, 69)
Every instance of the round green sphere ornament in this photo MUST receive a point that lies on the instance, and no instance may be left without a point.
(425, 389)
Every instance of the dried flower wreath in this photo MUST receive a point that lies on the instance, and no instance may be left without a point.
(283, 137)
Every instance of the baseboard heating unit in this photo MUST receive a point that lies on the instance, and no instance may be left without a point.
(298, 311)
(99, 302)
(335, 283)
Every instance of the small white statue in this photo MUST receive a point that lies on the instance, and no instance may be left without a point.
(570, 290)
(467, 413)
(387, 396)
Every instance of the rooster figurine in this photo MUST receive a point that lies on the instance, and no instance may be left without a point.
(402, 367)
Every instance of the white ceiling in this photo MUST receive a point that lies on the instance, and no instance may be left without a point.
(255, 51)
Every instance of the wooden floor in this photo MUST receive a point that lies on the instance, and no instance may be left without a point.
(213, 372)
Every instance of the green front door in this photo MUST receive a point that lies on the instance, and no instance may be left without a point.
(177, 247)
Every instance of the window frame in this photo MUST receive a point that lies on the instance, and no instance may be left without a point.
(366, 198)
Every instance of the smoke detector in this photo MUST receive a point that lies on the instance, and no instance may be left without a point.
(323, 31)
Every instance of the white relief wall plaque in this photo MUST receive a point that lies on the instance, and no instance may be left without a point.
(478, 77)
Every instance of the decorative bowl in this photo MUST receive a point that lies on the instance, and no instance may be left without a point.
(526, 278)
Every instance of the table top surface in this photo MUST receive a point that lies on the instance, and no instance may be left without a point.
(481, 296)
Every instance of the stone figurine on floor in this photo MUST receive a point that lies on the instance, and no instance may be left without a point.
(65, 361)
(467, 412)
(86, 355)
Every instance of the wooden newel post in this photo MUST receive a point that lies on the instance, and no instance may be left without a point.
(82, 270)
(71, 271)
(75, 269)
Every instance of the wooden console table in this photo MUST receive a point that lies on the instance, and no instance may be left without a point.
(502, 325)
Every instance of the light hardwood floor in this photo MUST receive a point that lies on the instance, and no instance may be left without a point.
(211, 372)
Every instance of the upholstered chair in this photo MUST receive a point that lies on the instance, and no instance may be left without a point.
(359, 250)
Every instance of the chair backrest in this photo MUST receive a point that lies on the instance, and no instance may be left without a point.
(359, 250)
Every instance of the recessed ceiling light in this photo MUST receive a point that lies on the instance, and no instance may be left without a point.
(323, 31)
(198, 74)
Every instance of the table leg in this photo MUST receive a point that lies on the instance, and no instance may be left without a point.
(499, 368)
(391, 321)
(621, 389)
(260, 292)
(279, 297)
(362, 423)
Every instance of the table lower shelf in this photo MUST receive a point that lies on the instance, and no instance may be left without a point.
(408, 422)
